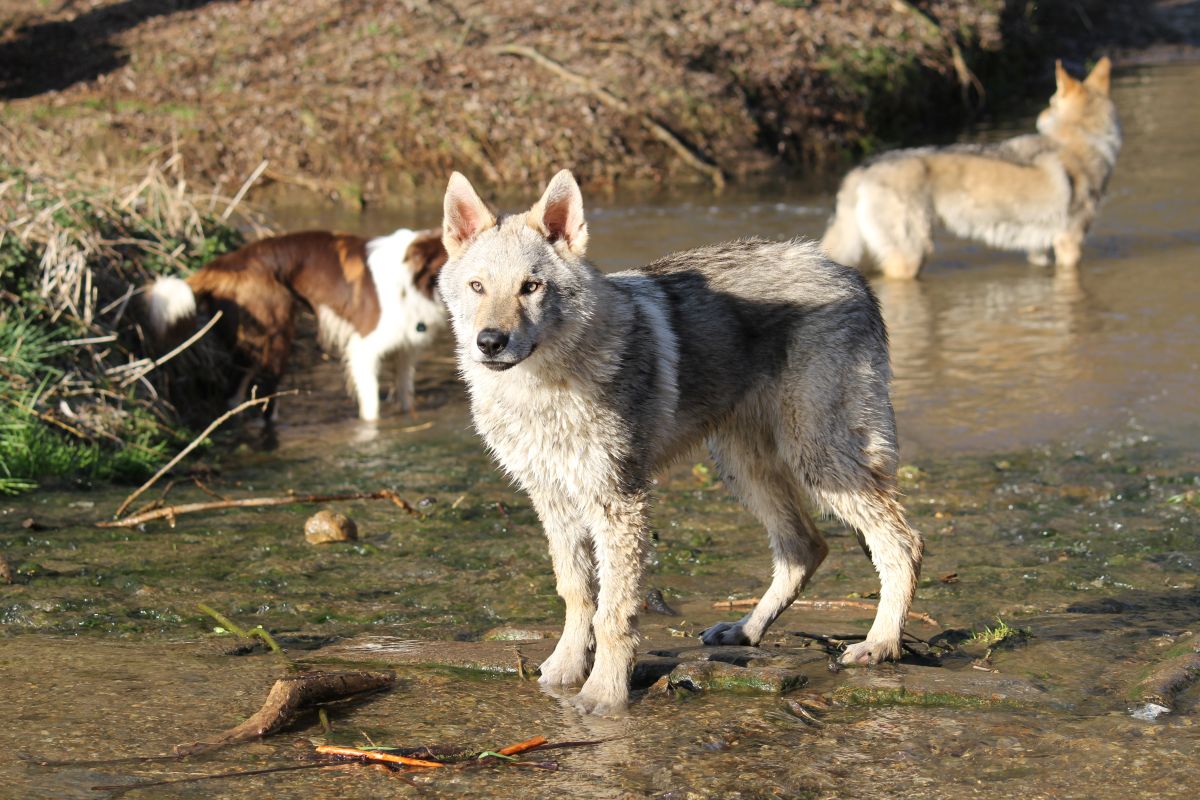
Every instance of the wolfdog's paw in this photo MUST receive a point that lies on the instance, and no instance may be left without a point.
(600, 703)
(871, 652)
(563, 671)
(725, 633)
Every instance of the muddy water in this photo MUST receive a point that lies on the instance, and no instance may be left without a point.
(1050, 444)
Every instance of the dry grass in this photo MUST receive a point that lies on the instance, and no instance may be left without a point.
(81, 393)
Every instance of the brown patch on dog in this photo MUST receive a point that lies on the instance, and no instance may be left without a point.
(257, 287)
(426, 256)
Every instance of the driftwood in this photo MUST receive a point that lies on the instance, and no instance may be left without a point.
(290, 695)
(751, 602)
(657, 130)
(216, 423)
(171, 512)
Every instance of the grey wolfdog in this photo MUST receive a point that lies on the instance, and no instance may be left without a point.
(1032, 193)
(583, 385)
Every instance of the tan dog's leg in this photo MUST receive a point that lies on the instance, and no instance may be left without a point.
(1068, 248)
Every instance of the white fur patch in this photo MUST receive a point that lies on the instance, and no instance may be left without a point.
(408, 323)
(651, 300)
(168, 301)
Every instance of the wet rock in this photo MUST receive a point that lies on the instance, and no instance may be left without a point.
(497, 656)
(931, 686)
(513, 633)
(7, 576)
(1175, 673)
(656, 604)
(721, 676)
(327, 526)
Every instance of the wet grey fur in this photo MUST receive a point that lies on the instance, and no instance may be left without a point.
(768, 351)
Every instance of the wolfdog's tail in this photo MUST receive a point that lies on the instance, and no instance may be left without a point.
(170, 304)
(843, 241)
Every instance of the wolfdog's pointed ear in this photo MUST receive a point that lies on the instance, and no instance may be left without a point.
(464, 215)
(559, 214)
(1063, 79)
(1100, 76)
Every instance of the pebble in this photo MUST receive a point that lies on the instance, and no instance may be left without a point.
(327, 526)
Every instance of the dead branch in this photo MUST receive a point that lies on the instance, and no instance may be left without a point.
(376, 755)
(521, 747)
(171, 512)
(290, 695)
(967, 79)
(216, 423)
(609, 99)
(158, 362)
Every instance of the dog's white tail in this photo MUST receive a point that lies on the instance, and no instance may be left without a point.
(169, 301)
(843, 241)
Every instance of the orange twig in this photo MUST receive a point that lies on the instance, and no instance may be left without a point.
(521, 747)
(373, 755)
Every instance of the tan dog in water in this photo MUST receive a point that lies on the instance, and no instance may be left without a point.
(1033, 193)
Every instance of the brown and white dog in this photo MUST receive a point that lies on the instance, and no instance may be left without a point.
(372, 298)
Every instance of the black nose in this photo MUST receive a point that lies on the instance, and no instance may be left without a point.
(491, 341)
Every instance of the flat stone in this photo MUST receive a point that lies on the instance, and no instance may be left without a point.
(933, 686)
(514, 633)
(722, 676)
(479, 656)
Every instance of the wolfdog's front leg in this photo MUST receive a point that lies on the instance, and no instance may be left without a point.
(620, 540)
(574, 572)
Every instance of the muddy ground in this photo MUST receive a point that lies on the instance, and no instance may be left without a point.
(372, 101)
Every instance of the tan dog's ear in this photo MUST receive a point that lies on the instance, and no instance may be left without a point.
(464, 215)
(1100, 77)
(1066, 84)
(559, 214)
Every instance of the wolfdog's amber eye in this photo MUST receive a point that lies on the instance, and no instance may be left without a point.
(476, 287)
(529, 287)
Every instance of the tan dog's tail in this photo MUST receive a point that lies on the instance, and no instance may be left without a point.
(843, 241)
(170, 307)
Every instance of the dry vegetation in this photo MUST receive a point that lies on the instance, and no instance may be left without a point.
(82, 394)
(371, 98)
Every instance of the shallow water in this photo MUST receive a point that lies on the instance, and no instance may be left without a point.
(1050, 442)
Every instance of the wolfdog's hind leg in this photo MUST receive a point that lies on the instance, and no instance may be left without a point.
(757, 475)
(895, 550)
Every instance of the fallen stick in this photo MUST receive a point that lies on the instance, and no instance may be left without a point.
(609, 99)
(376, 755)
(158, 362)
(170, 512)
(750, 602)
(521, 747)
(216, 423)
(290, 695)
